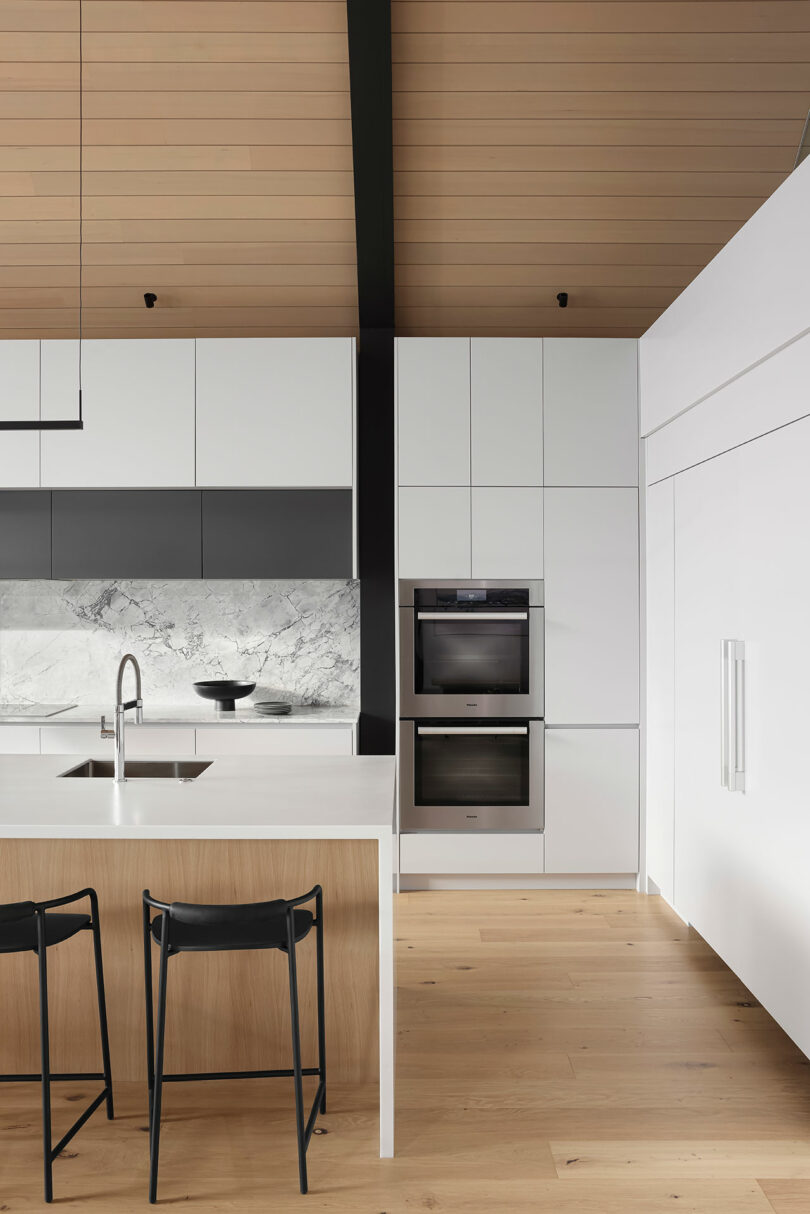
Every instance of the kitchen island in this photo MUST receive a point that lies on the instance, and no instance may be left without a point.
(247, 829)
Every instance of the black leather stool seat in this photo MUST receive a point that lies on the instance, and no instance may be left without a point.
(20, 936)
(270, 932)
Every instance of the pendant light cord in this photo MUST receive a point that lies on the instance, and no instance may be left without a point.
(81, 193)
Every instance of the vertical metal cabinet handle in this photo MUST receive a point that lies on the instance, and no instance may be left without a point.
(724, 713)
(732, 716)
(738, 774)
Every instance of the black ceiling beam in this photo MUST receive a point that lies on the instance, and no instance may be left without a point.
(369, 24)
(369, 27)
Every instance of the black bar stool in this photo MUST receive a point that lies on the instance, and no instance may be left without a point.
(26, 927)
(184, 927)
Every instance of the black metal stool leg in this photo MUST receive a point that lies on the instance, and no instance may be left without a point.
(154, 1135)
(296, 1050)
(102, 1008)
(150, 1011)
(321, 1002)
(45, 1057)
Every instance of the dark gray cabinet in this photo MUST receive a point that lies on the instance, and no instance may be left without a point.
(121, 533)
(277, 533)
(25, 534)
(176, 533)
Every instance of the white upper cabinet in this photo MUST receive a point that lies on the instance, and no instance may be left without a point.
(433, 406)
(592, 606)
(506, 383)
(19, 401)
(507, 533)
(590, 405)
(275, 412)
(592, 800)
(138, 402)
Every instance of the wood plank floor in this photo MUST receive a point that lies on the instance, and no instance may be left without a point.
(559, 1053)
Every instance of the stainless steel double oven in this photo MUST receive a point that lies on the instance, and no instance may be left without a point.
(471, 705)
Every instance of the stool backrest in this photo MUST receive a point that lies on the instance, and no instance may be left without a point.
(220, 915)
(12, 912)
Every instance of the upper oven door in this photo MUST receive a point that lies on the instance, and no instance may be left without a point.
(471, 663)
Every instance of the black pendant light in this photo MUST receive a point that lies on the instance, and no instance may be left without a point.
(76, 423)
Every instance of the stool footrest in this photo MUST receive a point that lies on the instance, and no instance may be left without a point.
(77, 1125)
(195, 1075)
(313, 1115)
(66, 1076)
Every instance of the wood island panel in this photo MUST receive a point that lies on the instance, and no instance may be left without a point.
(226, 1011)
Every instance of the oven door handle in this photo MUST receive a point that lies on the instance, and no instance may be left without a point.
(472, 615)
(474, 731)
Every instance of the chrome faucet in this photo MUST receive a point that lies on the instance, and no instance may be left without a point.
(121, 707)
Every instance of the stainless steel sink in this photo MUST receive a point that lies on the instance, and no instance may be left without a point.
(140, 769)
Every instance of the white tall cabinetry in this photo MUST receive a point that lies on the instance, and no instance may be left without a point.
(590, 402)
(470, 457)
(518, 458)
(724, 405)
(740, 857)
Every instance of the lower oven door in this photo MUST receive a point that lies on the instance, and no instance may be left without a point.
(471, 775)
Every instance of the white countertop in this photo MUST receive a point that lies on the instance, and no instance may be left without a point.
(199, 714)
(310, 797)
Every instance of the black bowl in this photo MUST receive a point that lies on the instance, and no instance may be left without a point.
(224, 692)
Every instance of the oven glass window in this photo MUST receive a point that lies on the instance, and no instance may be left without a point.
(471, 768)
(472, 656)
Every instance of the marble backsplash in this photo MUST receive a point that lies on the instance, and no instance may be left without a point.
(62, 641)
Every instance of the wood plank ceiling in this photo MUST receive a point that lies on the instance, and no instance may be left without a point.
(217, 168)
(607, 148)
(604, 148)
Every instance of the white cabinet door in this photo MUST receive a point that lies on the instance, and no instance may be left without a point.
(507, 533)
(592, 606)
(19, 739)
(19, 401)
(590, 411)
(139, 741)
(216, 740)
(766, 949)
(660, 646)
(710, 823)
(138, 400)
(275, 412)
(591, 800)
(433, 408)
(506, 383)
(434, 533)
(437, 853)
